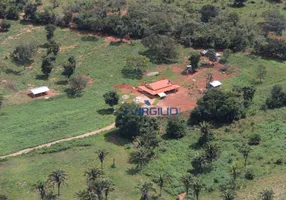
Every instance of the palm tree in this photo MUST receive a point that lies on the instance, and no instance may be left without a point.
(101, 156)
(40, 187)
(199, 162)
(86, 195)
(211, 151)
(161, 180)
(145, 188)
(267, 194)
(58, 178)
(92, 174)
(197, 186)
(141, 157)
(245, 150)
(187, 181)
(108, 187)
(206, 134)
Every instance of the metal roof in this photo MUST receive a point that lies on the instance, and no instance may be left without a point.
(162, 94)
(40, 90)
(215, 83)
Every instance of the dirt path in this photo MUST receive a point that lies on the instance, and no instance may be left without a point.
(24, 151)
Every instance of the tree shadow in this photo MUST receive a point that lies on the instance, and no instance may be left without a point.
(114, 137)
(115, 43)
(42, 77)
(11, 71)
(62, 82)
(133, 171)
(89, 38)
(105, 111)
(72, 94)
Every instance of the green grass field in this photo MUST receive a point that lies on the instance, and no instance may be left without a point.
(28, 123)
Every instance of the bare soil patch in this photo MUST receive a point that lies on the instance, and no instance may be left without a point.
(113, 40)
(63, 49)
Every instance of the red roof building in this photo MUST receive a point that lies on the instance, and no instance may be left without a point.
(158, 87)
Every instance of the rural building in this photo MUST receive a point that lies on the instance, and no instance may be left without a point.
(39, 91)
(158, 88)
(215, 84)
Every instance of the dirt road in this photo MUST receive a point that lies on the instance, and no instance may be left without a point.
(59, 141)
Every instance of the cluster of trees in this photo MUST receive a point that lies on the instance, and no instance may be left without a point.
(277, 98)
(24, 54)
(11, 9)
(221, 106)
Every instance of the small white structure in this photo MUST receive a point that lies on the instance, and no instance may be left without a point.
(153, 74)
(162, 95)
(39, 90)
(204, 52)
(218, 55)
(215, 84)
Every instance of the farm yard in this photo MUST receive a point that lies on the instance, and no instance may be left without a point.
(102, 64)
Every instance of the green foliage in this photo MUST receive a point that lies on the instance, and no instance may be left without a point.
(4, 26)
(30, 11)
(141, 157)
(176, 128)
(266, 194)
(131, 124)
(277, 98)
(145, 188)
(24, 54)
(135, 66)
(69, 67)
(249, 175)
(58, 178)
(50, 28)
(208, 12)
(272, 48)
(225, 56)
(206, 133)
(161, 49)
(101, 154)
(211, 151)
(111, 98)
(211, 54)
(218, 106)
(12, 13)
(254, 139)
(47, 65)
(195, 59)
(77, 84)
(245, 149)
(261, 72)
(1, 100)
(3, 197)
(239, 3)
(274, 21)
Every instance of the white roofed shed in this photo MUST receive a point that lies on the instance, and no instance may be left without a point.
(215, 83)
(39, 90)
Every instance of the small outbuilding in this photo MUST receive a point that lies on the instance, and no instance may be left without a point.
(39, 91)
(215, 84)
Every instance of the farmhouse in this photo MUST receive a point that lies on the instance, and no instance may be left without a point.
(158, 88)
(39, 91)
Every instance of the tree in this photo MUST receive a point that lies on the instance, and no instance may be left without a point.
(131, 123)
(161, 49)
(12, 13)
(235, 170)
(206, 133)
(195, 59)
(141, 157)
(47, 65)
(86, 195)
(53, 47)
(211, 151)
(187, 181)
(4, 26)
(266, 194)
(111, 98)
(208, 12)
(135, 66)
(102, 153)
(261, 72)
(77, 84)
(108, 186)
(211, 54)
(30, 11)
(50, 28)
(245, 150)
(277, 98)
(225, 56)
(274, 21)
(59, 178)
(97, 187)
(69, 67)
(93, 174)
(39, 2)
(247, 92)
(145, 189)
(161, 180)
(40, 187)
(176, 128)
(197, 187)
(24, 54)
(199, 163)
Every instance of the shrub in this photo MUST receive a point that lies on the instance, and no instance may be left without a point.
(254, 139)
(24, 53)
(249, 175)
(4, 26)
(176, 128)
(77, 84)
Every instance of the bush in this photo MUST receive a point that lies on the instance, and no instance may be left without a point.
(176, 128)
(277, 98)
(77, 84)
(254, 139)
(23, 54)
(4, 26)
(249, 175)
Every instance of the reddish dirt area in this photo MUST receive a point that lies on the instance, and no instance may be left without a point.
(114, 40)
